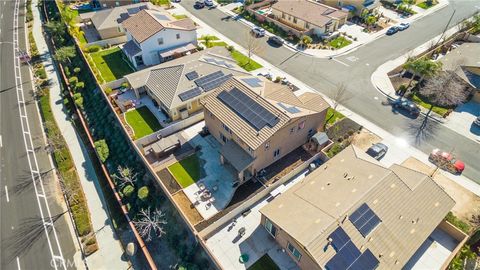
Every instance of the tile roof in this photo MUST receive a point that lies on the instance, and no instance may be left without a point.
(312, 12)
(131, 48)
(147, 23)
(409, 204)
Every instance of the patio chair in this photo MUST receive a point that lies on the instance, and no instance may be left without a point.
(201, 186)
(208, 205)
(211, 200)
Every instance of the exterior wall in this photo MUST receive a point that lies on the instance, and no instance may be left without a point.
(192, 107)
(111, 32)
(358, 4)
(282, 238)
(302, 25)
(115, 3)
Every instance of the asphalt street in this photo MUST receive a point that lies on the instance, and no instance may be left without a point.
(354, 71)
(23, 237)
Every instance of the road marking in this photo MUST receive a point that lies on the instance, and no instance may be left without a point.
(6, 194)
(13, 228)
(352, 58)
(367, 64)
(338, 61)
(1, 17)
(376, 98)
(1, 141)
(18, 263)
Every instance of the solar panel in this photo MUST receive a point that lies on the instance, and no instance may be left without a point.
(253, 82)
(364, 219)
(367, 261)
(216, 83)
(248, 109)
(347, 252)
(339, 238)
(210, 77)
(192, 75)
(291, 109)
(190, 94)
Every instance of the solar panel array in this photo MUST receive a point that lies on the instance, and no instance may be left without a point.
(364, 219)
(253, 82)
(192, 75)
(348, 255)
(219, 62)
(205, 79)
(291, 109)
(248, 109)
(197, 91)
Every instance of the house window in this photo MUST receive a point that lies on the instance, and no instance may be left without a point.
(276, 153)
(310, 132)
(272, 230)
(294, 20)
(160, 41)
(292, 130)
(267, 145)
(224, 139)
(301, 125)
(226, 128)
(307, 25)
(283, 15)
(178, 36)
(294, 251)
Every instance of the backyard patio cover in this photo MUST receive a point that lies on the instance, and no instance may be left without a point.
(179, 50)
(236, 156)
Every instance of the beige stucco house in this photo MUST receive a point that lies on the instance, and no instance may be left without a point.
(258, 122)
(177, 85)
(354, 6)
(307, 17)
(353, 213)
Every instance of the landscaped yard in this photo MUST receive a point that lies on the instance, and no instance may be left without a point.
(264, 263)
(332, 116)
(142, 121)
(179, 16)
(339, 42)
(244, 62)
(186, 171)
(426, 5)
(112, 64)
(421, 102)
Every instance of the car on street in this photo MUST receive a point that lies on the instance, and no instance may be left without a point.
(258, 31)
(208, 3)
(199, 4)
(377, 151)
(276, 40)
(403, 26)
(406, 105)
(446, 161)
(477, 121)
(392, 30)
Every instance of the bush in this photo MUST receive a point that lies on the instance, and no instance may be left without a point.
(79, 102)
(128, 191)
(79, 85)
(93, 48)
(143, 193)
(77, 70)
(336, 148)
(73, 80)
(102, 150)
(455, 221)
(125, 85)
(278, 79)
(230, 48)
(41, 73)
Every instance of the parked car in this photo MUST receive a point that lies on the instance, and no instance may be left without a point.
(406, 105)
(477, 121)
(392, 30)
(258, 32)
(276, 40)
(377, 151)
(177, 1)
(403, 26)
(208, 3)
(446, 161)
(199, 4)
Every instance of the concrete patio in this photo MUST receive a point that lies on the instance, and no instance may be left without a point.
(219, 179)
(129, 95)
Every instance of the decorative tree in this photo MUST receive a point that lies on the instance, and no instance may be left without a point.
(125, 176)
(150, 224)
(102, 149)
(64, 54)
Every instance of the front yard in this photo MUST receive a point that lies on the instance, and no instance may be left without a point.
(339, 42)
(142, 121)
(424, 103)
(186, 171)
(112, 64)
(426, 4)
(333, 116)
(244, 62)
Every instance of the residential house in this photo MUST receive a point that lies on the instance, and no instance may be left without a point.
(155, 37)
(307, 17)
(114, 3)
(258, 122)
(353, 213)
(177, 85)
(107, 23)
(355, 7)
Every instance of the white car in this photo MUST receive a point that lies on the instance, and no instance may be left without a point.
(403, 26)
(208, 3)
(258, 32)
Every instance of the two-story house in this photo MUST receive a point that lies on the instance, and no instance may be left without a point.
(155, 37)
(355, 7)
(258, 122)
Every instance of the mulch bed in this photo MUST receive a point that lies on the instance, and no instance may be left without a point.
(286, 164)
(168, 180)
(343, 128)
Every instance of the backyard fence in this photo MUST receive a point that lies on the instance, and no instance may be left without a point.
(114, 84)
(108, 41)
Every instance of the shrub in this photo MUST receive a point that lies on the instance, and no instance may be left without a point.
(77, 70)
(128, 191)
(102, 150)
(143, 193)
(73, 80)
(79, 102)
(455, 221)
(108, 91)
(125, 85)
(41, 73)
(230, 48)
(65, 101)
(278, 79)
(79, 85)
(336, 148)
(93, 48)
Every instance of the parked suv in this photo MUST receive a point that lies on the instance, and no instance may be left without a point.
(276, 40)
(258, 32)
(477, 121)
(406, 105)
(377, 151)
(199, 4)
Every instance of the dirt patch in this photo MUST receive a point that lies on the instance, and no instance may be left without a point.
(365, 139)
(343, 129)
(286, 164)
(168, 180)
(467, 203)
(187, 207)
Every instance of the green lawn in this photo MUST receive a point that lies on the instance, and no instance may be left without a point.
(179, 16)
(339, 42)
(112, 64)
(242, 61)
(425, 5)
(333, 116)
(215, 44)
(264, 263)
(212, 37)
(160, 2)
(142, 121)
(186, 171)
(421, 102)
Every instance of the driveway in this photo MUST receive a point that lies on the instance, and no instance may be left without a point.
(462, 119)
(354, 71)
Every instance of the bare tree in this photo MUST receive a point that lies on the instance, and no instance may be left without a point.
(253, 46)
(125, 176)
(70, 194)
(150, 223)
(340, 95)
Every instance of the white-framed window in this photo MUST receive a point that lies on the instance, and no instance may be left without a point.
(276, 153)
(294, 19)
(160, 41)
(271, 229)
(224, 139)
(227, 129)
(292, 130)
(294, 251)
(178, 36)
(267, 145)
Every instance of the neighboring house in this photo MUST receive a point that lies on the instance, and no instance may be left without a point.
(353, 213)
(354, 6)
(114, 3)
(108, 22)
(155, 37)
(176, 85)
(307, 17)
(258, 122)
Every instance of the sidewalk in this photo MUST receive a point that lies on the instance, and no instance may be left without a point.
(267, 67)
(109, 254)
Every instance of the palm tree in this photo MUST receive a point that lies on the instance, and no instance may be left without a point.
(207, 39)
(370, 20)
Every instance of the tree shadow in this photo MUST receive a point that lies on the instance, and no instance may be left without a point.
(25, 182)
(423, 129)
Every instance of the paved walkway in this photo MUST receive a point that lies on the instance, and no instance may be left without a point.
(110, 250)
